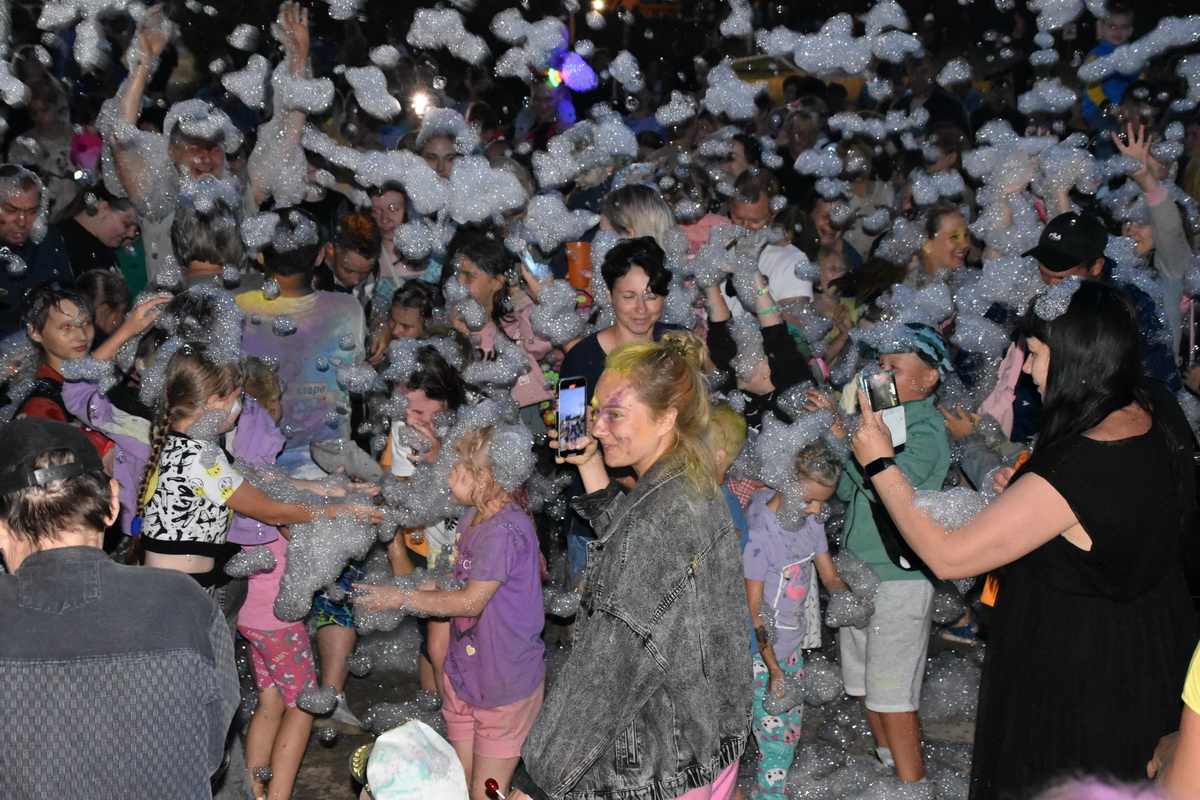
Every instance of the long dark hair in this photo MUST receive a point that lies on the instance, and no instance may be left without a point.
(1095, 361)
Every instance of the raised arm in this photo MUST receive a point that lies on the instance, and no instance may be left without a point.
(1026, 516)
(281, 136)
(153, 34)
(1170, 241)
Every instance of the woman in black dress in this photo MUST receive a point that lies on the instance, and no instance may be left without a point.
(1093, 625)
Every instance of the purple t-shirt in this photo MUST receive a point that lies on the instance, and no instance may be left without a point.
(782, 560)
(496, 658)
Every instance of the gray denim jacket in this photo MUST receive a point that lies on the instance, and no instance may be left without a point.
(655, 699)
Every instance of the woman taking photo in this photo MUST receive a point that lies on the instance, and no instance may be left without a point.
(654, 700)
(1086, 543)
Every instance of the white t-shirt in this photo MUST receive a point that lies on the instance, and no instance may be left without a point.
(441, 535)
(778, 265)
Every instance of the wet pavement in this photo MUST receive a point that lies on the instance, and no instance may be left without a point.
(325, 773)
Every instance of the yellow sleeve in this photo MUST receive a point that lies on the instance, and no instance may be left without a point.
(1191, 685)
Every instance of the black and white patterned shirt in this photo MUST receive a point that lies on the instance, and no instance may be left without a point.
(186, 512)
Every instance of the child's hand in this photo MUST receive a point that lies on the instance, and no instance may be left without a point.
(777, 685)
(373, 598)
(816, 399)
(1001, 479)
(370, 514)
(959, 422)
(145, 312)
(426, 432)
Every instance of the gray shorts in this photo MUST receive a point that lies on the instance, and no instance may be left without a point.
(885, 662)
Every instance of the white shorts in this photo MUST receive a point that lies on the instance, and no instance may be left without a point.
(885, 662)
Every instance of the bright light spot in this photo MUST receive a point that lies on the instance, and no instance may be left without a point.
(597, 5)
(421, 102)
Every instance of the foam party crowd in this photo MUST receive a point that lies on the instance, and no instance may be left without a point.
(692, 400)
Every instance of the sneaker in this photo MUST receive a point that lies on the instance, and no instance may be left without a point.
(963, 634)
(342, 718)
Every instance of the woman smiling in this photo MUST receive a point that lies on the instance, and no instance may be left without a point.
(653, 701)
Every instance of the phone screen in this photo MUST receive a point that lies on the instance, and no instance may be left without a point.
(527, 258)
(880, 390)
(572, 413)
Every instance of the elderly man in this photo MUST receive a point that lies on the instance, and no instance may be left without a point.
(119, 681)
(27, 257)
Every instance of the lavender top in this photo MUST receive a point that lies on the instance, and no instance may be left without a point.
(496, 658)
(782, 560)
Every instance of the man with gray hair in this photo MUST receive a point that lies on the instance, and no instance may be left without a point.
(29, 253)
(153, 169)
(118, 681)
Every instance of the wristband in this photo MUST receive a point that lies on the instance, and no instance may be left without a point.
(765, 311)
(878, 465)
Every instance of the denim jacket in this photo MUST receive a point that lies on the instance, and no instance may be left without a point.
(115, 681)
(655, 699)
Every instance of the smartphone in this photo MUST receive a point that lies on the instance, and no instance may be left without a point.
(572, 414)
(539, 271)
(880, 390)
(881, 394)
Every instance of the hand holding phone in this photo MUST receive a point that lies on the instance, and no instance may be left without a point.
(881, 393)
(572, 414)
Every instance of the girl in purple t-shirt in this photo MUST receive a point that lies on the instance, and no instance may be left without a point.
(778, 567)
(494, 670)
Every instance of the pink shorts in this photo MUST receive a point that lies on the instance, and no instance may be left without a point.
(720, 789)
(282, 660)
(494, 732)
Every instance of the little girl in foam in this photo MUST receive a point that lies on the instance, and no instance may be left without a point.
(190, 489)
(280, 650)
(778, 567)
(494, 672)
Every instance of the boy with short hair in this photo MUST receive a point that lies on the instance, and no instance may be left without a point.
(884, 663)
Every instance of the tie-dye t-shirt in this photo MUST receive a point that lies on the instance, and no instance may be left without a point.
(327, 330)
(782, 560)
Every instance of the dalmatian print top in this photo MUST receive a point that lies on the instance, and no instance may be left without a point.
(186, 513)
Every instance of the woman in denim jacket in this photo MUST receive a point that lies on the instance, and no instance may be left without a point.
(654, 701)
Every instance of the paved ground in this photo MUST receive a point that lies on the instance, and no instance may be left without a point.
(325, 774)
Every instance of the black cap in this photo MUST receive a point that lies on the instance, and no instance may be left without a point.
(26, 439)
(1070, 240)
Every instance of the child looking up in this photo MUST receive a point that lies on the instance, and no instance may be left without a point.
(778, 567)
(190, 489)
(494, 670)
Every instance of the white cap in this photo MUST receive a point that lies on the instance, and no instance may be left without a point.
(412, 762)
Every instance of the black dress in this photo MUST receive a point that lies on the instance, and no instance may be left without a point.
(1088, 650)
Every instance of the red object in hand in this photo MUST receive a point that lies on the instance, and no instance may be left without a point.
(493, 787)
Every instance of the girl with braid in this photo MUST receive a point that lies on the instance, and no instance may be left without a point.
(189, 489)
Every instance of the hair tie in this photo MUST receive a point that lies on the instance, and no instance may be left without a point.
(676, 345)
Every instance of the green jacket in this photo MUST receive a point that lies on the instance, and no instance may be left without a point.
(924, 459)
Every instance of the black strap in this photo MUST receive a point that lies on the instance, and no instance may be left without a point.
(893, 543)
